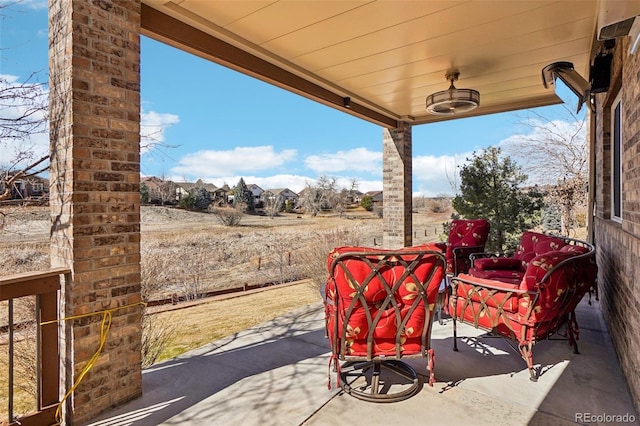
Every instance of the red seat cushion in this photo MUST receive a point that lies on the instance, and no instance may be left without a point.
(505, 275)
(489, 263)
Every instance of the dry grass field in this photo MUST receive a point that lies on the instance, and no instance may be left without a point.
(189, 253)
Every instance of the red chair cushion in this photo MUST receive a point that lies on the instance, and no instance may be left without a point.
(464, 233)
(370, 308)
(534, 243)
(490, 263)
(505, 275)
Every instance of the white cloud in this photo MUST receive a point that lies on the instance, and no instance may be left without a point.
(357, 159)
(437, 175)
(431, 175)
(152, 128)
(237, 161)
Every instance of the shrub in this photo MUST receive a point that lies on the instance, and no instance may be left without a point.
(313, 257)
(228, 216)
(367, 202)
(439, 204)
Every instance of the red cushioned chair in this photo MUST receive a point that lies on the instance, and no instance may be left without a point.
(531, 305)
(466, 237)
(379, 309)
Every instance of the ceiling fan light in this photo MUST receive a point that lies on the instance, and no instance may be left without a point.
(452, 101)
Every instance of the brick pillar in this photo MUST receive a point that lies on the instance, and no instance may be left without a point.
(397, 187)
(94, 62)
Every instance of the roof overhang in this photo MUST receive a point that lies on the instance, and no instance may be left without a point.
(386, 57)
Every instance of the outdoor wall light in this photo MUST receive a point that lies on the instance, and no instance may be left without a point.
(453, 100)
(570, 77)
(346, 102)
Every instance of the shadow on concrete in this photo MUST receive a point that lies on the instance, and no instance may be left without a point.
(174, 386)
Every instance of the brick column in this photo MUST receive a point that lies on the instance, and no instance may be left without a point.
(397, 187)
(94, 62)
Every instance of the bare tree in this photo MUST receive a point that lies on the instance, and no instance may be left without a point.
(554, 155)
(23, 115)
(23, 108)
(320, 196)
(453, 177)
(272, 204)
(11, 175)
(346, 197)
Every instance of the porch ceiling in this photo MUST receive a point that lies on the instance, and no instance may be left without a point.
(387, 56)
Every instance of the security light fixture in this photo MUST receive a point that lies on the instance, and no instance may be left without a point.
(453, 100)
(570, 77)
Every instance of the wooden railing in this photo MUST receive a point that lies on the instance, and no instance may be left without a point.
(45, 287)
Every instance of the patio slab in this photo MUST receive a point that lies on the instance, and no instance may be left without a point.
(277, 374)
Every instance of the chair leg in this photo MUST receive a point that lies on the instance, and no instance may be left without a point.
(573, 331)
(432, 365)
(379, 381)
(527, 355)
(455, 335)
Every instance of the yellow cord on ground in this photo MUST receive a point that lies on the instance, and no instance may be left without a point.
(105, 326)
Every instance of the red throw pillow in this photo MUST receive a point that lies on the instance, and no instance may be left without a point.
(548, 244)
(539, 266)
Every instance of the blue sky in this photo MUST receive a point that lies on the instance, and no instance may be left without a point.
(208, 122)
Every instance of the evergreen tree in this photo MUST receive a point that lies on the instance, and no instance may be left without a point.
(144, 193)
(201, 198)
(551, 218)
(242, 197)
(367, 202)
(490, 188)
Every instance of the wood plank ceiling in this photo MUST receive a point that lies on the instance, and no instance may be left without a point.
(386, 56)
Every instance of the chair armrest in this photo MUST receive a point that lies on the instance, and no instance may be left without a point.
(487, 303)
(498, 286)
(484, 255)
(467, 249)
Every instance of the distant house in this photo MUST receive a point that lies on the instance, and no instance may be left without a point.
(256, 191)
(221, 195)
(376, 195)
(354, 196)
(25, 188)
(184, 188)
(160, 191)
(281, 196)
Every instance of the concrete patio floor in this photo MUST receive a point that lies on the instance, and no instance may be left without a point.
(277, 374)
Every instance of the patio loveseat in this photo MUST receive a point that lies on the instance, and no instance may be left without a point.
(529, 296)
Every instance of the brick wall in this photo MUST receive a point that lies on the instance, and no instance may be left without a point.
(397, 187)
(618, 244)
(95, 200)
